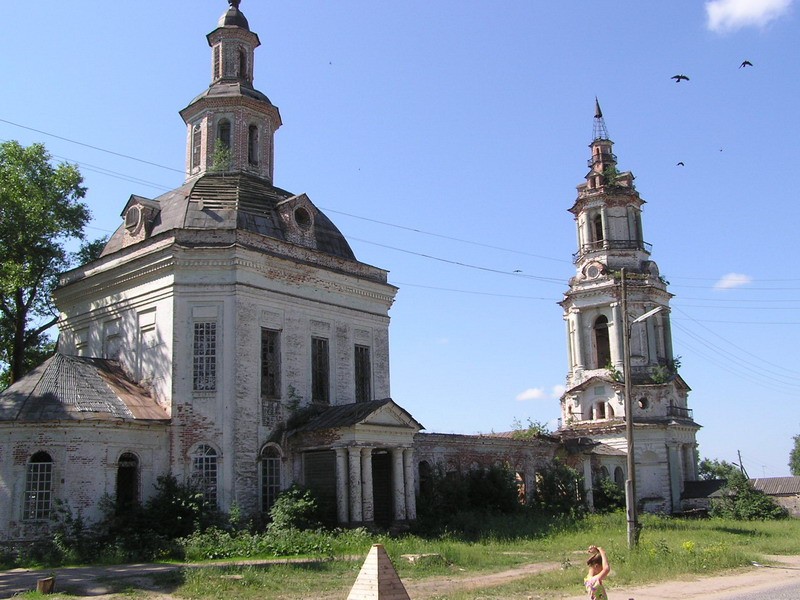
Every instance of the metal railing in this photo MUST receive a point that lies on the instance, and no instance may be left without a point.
(679, 411)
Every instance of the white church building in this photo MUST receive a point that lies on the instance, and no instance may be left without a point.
(228, 335)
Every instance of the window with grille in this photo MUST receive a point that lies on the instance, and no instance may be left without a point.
(270, 364)
(270, 477)
(204, 472)
(204, 368)
(197, 139)
(363, 374)
(217, 61)
(320, 370)
(38, 488)
(224, 133)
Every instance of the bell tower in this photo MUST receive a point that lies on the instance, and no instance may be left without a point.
(231, 125)
(614, 272)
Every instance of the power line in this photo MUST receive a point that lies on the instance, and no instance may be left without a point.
(71, 141)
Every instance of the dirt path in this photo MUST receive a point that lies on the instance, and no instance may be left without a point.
(87, 582)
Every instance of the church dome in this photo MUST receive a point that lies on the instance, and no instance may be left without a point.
(233, 17)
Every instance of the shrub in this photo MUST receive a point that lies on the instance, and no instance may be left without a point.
(295, 508)
(608, 496)
(559, 490)
(741, 501)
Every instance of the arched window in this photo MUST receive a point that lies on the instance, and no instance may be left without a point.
(127, 481)
(38, 488)
(604, 472)
(619, 477)
(204, 472)
(601, 342)
(252, 145)
(597, 229)
(425, 479)
(197, 139)
(224, 132)
(270, 477)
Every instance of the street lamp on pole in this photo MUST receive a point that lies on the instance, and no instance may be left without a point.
(630, 482)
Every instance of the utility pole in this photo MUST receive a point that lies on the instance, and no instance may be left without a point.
(630, 482)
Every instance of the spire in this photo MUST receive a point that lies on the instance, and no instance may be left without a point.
(599, 131)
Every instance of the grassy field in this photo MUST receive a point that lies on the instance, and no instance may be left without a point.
(668, 548)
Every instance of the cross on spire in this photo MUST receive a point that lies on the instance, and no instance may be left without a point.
(599, 131)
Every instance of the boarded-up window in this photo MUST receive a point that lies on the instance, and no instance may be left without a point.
(319, 469)
(252, 145)
(363, 374)
(270, 364)
(320, 370)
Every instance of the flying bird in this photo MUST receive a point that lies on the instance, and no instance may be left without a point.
(680, 164)
(678, 78)
(746, 63)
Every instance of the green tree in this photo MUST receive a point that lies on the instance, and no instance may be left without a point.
(532, 430)
(794, 457)
(716, 469)
(40, 211)
(741, 501)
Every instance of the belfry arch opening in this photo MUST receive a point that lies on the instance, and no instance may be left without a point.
(601, 342)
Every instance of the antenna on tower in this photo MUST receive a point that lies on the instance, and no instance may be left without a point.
(599, 131)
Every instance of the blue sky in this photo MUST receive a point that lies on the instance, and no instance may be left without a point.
(445, 139)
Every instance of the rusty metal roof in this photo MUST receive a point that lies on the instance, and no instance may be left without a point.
(72, 388)
(777, 486)
(230, 201)
(348, 415)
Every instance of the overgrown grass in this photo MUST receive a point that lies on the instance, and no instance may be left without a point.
(669, 548)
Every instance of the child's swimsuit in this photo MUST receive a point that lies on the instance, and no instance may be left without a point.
(595, 589)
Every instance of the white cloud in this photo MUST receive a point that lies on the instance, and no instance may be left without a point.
(541, 394)
(730, 15)
(532, 394)
(732, 280)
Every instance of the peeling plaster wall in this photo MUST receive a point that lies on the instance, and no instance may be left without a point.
(463, 453)
(84, 458)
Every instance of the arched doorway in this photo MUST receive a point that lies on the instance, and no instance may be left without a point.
(127, 480)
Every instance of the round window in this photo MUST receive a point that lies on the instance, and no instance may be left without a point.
(644, 402)
(302, 218)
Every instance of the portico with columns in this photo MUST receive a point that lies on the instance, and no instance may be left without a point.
(360, 459)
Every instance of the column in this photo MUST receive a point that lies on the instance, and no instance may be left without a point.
(604, 225)
(675, 475)
(587, 481)
(619, 332)
(354, 455)
(578, 323)
(367, 501)
(342, 504)
(398, 485)
(408, 476)
(652, 338)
